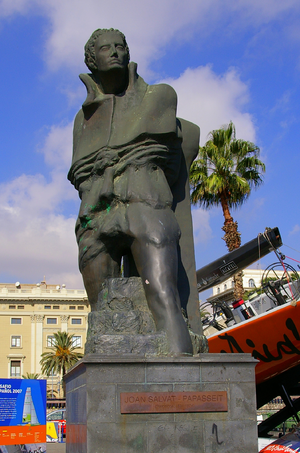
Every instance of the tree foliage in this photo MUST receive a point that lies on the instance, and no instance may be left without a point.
(31, 376)
(224, 173)
(62, 355)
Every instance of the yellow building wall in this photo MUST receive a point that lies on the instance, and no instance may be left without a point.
(35, 306)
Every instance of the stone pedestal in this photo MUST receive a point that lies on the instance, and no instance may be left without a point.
(95, 423)
(121, 322)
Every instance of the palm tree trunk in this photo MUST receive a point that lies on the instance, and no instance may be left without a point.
(238, 286)
(232, 238)
(63, 384)
(225, 208)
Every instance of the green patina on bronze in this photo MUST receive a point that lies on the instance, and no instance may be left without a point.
(85, 222)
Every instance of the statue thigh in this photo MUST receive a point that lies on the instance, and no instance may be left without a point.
(154, 249)
(155, 252)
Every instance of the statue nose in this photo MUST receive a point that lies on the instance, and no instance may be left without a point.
(113, 50)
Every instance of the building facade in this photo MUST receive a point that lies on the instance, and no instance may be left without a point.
(251, 280)
(29, 316)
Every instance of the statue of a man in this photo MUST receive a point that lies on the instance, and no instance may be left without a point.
(126, 166)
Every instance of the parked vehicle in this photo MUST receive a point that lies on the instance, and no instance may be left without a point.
(288, 443)
(60, 417)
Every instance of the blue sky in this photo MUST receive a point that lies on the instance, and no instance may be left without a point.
(228, 60)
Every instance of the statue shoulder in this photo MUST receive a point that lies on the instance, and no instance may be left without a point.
(162, 95)
(163, 89)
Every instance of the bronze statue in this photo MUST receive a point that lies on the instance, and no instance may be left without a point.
(130, 165)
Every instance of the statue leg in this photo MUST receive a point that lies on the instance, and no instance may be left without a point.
(154, 250)
(96, 271)
(157, 269)
(98, 258)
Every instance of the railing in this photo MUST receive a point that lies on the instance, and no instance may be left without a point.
(62, 292)
(273, 405)
(56, 403)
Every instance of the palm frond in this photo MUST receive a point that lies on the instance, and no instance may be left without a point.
(62, 355)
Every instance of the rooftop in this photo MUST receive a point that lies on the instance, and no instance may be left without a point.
(28, 291)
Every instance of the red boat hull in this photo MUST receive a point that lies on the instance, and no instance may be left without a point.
(273, 338)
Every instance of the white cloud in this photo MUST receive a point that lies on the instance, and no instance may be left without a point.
(74, 96)
(282, 104)
(7, 7)
(57, 147)
(201, 227)
(258, 12)
(295, 229)
(211, 101)
(37, 239)
(148, 28)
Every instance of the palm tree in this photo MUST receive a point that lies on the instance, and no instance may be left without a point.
(31, 376)
(204, 313)
(224, 173)
(62, 355)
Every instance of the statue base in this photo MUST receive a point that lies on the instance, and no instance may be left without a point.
(97, 423)
(121, 323)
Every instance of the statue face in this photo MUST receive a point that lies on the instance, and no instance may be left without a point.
(110, 52)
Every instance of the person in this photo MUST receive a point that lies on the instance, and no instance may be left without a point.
(127, 156)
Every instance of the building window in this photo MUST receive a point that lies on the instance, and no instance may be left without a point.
(251, 283)
(50, 341)
(15, 341)
(225, 287)
(232, 284)
(16, 320)
(21, 307)
(218, 290)
(11, 307)
(47, 307)
(76, 321)
(72, 307)
(76, 341)
(56, 307)
(51, 321)
(80, 307)
(15, 368)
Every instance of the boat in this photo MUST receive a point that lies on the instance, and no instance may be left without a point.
(267, 326)
(273, 338)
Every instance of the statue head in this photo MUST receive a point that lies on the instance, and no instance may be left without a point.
(89, 48)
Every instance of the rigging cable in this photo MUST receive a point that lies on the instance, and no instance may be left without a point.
(281, 257)
(295, 250)
(259, 263)
(292, 259)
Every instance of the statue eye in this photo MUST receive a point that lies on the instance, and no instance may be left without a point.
(120, 47)
(104, 48)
